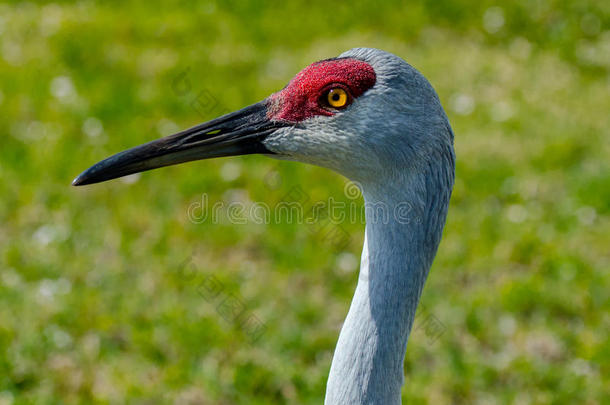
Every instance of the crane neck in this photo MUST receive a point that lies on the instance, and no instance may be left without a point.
(404, 224)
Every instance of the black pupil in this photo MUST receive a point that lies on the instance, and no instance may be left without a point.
(336, 96)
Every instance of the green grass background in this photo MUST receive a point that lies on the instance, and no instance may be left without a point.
(96, 305)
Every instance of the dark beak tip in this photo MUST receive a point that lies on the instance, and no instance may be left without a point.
(82, 179)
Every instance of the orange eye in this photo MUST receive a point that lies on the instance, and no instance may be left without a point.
(337, 97)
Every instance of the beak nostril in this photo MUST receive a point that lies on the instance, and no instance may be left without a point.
(205, 136)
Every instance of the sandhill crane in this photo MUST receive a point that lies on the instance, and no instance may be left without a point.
(373, 118)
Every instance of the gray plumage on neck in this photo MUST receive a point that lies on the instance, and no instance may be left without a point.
(396, 141)
(367, 367)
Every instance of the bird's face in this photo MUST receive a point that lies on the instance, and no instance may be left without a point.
(321, 107)
(351, 114)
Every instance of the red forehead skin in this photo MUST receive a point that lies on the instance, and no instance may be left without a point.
(300, 99)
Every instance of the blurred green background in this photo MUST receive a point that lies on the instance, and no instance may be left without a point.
(104, 292)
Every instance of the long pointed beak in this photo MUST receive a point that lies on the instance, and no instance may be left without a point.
(238, 133)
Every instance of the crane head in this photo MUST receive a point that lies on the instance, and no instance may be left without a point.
(362, 114)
